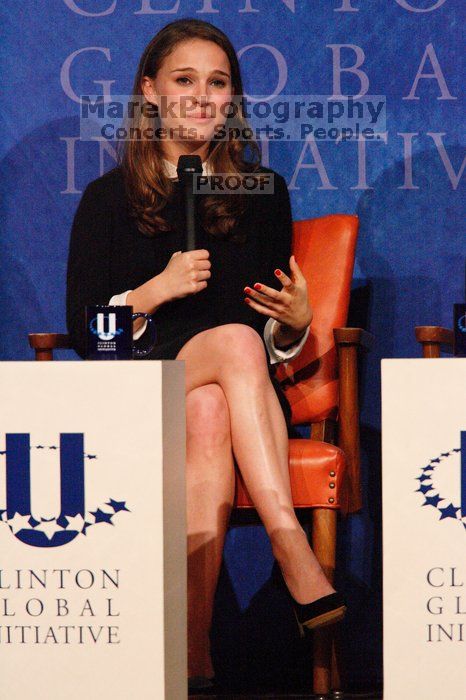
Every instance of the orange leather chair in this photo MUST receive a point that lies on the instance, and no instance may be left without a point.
(321, 385)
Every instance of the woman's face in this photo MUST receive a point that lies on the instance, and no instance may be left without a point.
(195, 79)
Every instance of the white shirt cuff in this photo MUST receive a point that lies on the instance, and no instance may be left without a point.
(279, 354)
(120, 300)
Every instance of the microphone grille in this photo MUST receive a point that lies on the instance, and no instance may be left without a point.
(188, 164)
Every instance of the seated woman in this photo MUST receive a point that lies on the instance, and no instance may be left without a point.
(215, 307)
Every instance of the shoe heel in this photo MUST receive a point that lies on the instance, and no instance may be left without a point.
(302, 633)
(325, 611)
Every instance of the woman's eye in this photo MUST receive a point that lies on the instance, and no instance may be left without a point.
(218, 81)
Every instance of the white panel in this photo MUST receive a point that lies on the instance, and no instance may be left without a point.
(424, 540)
(132, 418)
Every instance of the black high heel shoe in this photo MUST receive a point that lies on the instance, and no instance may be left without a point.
(322, 612)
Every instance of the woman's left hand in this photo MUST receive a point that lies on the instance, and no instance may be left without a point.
(290, 305)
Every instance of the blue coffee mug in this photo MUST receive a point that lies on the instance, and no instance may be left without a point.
(110, 333)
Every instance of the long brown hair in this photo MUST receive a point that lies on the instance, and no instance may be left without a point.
(147, 186)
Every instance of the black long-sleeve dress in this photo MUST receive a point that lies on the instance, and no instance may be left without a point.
(108, 255)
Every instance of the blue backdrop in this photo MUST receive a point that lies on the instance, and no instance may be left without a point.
(407, 190)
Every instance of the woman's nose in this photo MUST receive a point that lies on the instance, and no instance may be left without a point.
(201, 90)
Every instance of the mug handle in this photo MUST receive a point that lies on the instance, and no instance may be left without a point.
(138, 352)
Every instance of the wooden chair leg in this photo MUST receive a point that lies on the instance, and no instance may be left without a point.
(324, 530)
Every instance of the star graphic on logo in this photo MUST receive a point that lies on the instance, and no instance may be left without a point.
(425, 488)
(76, 522)
(432, 501)
(428, 485)
(449, 512)
(49, 527)
(102, 517)
(118, 505)
(85, 526)
(19, 522)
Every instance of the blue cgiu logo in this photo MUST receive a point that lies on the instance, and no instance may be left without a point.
(436, 477)
(462, 324)
(72, 519)
(104, 327)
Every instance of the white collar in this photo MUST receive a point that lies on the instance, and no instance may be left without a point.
(172, 173)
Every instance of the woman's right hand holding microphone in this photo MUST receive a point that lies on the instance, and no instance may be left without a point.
(186, 273)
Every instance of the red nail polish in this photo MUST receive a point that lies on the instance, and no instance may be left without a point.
(277, 272)
(247, 301)
(247, 289)
(257, 286)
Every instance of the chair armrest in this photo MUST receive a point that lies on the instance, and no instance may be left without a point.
(432, 337)
(348, 341)
(45, 343)
(353, 336)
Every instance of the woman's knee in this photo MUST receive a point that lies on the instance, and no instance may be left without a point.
(232, 351)
(244, 349)
(207, 416)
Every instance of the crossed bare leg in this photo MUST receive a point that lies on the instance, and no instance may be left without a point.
(232, 408)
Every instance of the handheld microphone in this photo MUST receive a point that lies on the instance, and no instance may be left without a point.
(187, 167)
